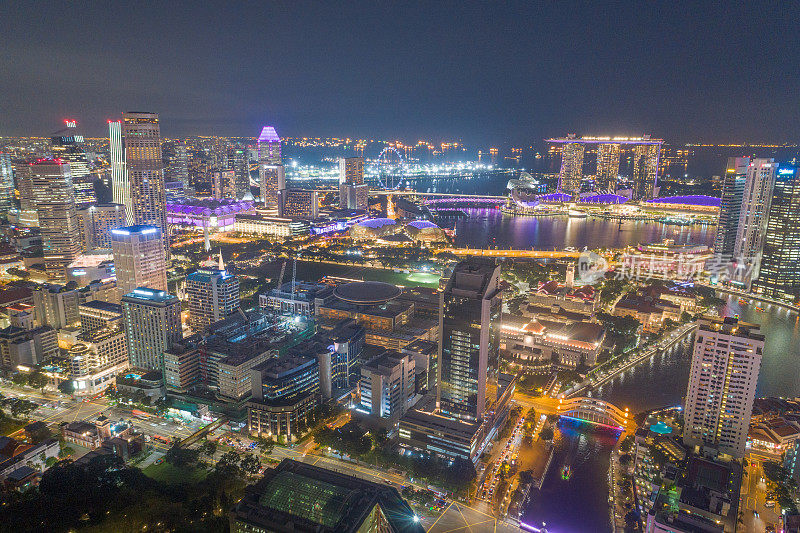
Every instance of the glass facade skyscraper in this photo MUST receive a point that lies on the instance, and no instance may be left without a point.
(779, 276)
(270, 168)
(141, 136)
(58, 217)
(730, 207)
(469, 320)
(756, 199)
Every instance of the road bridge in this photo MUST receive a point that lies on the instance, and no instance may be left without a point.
(535, 254)
(595, 411)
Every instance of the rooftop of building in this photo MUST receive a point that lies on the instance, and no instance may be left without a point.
(422, 346)
(279, 367)
(699, 200)
(422, 224)
(385, 363)
(14, 294)
(138, 229)
(100, 305)
(268, 134)
(315, 499)
(81, 427)
(376, 223)
(209, 206)
(366, 292)
(731, 326)
(92, 260)
(150, 295)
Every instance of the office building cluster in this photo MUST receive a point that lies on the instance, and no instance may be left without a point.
(757, 246)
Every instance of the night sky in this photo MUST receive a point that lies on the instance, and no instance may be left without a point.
(483, 73)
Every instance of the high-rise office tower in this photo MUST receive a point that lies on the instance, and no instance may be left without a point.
(299, 203)
(779, 276)
(176, 164)
(69, 148)
(270, 169)
(213, 295)
(238, 162)
(141, 136)
(6, 185)
(571, 173)
(469, 322)
(28, 215)
(120, 186)
(98, 221)
(353, 192)
(607, 167)
(58, 217)
(758, 186)
(722, 385)
(645, 168)
(139, 258)
(223, 184)
(730, 207)
(152, 325)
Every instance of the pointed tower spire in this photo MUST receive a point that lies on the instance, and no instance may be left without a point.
(221, 263)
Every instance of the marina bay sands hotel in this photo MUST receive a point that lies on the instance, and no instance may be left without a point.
(646, 154)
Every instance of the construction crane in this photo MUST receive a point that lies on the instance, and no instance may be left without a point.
(280, 278)
(294, 277)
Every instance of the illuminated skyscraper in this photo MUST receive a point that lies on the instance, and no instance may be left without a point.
(213, 295)
(152, 325)
(6, 185)
(607, 167)
(69, 148)
(299, 203)
(270, 168)
(98, 221)
(730, 207)
(120, 187)
(58, 218)
(758, 187)
(645, 168)
(139, 258)
(353, 192)
(722, 385)
(239, 163)
(28, 216)
(571, 173)
(779, 275)
(141, 136)
(176, 164)
(469, 322)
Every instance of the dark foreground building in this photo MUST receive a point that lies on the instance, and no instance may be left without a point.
(300, 497)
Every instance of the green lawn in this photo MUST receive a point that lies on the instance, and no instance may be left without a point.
(172, 475)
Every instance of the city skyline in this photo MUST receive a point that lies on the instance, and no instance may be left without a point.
(412, 74)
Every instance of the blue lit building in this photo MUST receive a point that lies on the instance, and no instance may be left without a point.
(779, 276)
(213, 295)
(284, 391)
(152, 325)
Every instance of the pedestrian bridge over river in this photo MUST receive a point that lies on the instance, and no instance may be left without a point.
(595, 411)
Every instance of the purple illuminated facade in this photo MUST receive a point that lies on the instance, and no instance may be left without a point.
(470, 201)
(699, 200)
(555, 197)
(604, 199)
(207, 213)
(423, 224)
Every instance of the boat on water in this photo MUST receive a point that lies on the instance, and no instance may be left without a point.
(574, 213)
(566, 472)
(742, 301)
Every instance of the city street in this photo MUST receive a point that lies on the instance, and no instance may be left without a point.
(757, 516)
